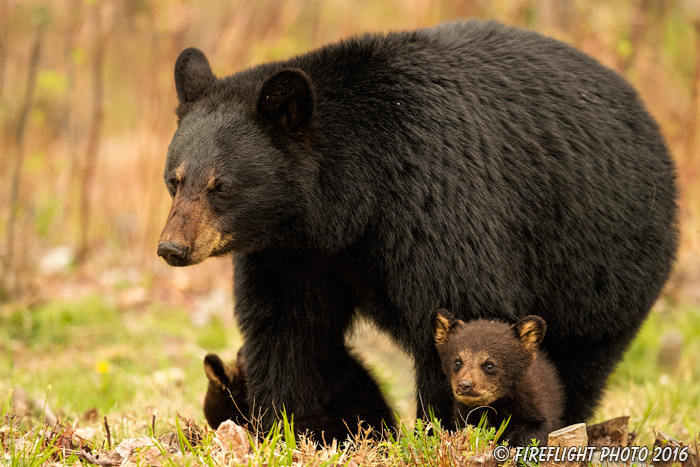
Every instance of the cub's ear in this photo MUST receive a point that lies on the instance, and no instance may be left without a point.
(287, 97)
(530, 332)
(216, 370)
(443, 324)
(193, 75)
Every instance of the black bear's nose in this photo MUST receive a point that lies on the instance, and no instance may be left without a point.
(173, 252)
(464, 385)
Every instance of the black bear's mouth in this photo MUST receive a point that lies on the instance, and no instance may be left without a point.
(178, 263)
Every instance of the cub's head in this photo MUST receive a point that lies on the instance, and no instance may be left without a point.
(234, 170)
(482, 359)
(227, 393)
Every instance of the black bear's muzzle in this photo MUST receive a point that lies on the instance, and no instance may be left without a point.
(174, 253)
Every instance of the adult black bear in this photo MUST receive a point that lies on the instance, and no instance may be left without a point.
(497, 370)
(470, 166)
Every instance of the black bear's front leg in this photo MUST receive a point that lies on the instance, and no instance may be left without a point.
(356, 406)
(294, 313)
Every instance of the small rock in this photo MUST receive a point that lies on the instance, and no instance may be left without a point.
(56, 260)
(234, 440)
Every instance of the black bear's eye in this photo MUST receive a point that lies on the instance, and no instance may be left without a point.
(172, 185)
(489, 367)
(457, 364)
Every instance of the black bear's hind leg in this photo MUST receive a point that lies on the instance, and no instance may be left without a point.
(584, 368)
(433, 394)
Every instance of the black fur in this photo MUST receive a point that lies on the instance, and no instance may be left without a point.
(193, 75)
(357, 406)
(472, 166)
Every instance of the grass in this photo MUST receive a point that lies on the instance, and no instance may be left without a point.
(658, 396)
(427, 444)
(140, 368)
(98, 358)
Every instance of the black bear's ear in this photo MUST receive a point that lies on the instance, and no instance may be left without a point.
(193, 75)
(530, 332)
(287, 97)
(216, 370)
(443, 324)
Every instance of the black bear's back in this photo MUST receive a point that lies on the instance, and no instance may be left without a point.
(493, 169)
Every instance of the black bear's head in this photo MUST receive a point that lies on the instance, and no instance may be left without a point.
(233, 170)
(484, 360)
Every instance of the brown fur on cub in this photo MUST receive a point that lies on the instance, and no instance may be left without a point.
(497, 369)
(227, 394)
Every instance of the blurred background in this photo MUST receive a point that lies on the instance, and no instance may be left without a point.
(86, 115)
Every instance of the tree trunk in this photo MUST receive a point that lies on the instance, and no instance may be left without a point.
(10, 279)
(94, 133)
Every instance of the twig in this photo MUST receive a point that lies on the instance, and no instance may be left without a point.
(109, 435)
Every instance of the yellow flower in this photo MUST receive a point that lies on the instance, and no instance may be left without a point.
(102, 367)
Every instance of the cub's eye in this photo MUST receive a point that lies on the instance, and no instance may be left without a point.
(457, 364)
(489, 367)
(221, 188)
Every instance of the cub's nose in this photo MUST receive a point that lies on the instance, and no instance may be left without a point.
(173, 252)
(464, 386)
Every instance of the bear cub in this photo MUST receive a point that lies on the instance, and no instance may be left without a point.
(227, 393)
(497, 370)
(361, 401)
